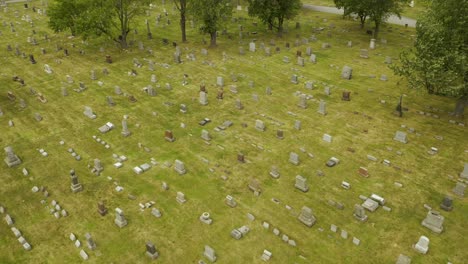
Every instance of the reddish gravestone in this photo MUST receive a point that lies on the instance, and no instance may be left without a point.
(363, 172)
(169, 136)
(240, 157)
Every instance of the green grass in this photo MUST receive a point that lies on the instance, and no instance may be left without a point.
(179, 235)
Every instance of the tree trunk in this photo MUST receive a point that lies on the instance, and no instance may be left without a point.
(123, 41)
(280, 26)
(213, 39)
(377, 28)
(182, 27)
(363, 20)
(460, 106)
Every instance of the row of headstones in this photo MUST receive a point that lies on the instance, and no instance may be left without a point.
(10, 222)
(89, 242)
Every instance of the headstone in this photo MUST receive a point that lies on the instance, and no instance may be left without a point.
(89, 112)
(360, 213)
(306, 217)
(169, 136)
(205, 218)
(125, 131)
(327, 138)
(90, 242)
(205, 135)
(294, 158)
(179, 167)
(344, 234)
(423, 245)
(464, 173)
(151, 251)
(11, 158)
(75, 185)
(372, 44)
(203, 98)
(102, 210)
(97, 169)
(364, 54)
(447, 204)
(294, 79)
(402, 259)
(252, 46)
(239, 104)
(301, 183)
(274, 172)
(259, 125)
(434, 221)
(209, 253)
(388, 60)
(322, 107)
(302, 101)
(180, 198)
(346, 96)
(346, 73)
(459, 189)
(230, 201)
(240, 157)
(401, 137)
(120, 220)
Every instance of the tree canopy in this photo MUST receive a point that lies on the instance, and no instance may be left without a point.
(438, 60)
(112, 18)
(211, 14)
(274, 12)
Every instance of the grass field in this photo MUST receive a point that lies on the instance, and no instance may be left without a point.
(365, 124)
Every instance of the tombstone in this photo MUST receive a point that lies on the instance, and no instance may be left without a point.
(267, 51)
(306, 217)
(47, 69)
(294, 158)
(11, 158)
(179, 167)
(241, 51)
(326, 45)
(239, 104)
(359, 213)
(383, 77)
(259, 125)
(90, 242)
(280, 134)
(205, 135)
(309, 51)
(169, 136)
(120, 220)
(301, 183)
(183, 108)
(327, 138)
(302, 101)
(110, 101)
(89, 112)
(309, 85)
(423, 245)
(333, 228)
(294, 79)
(252, 46)
(75, 185)
(240, 157)
(177, 58)
(102, 210)
(220, 95)
(230, 201)
(22, 103)
(434, 221)
(180, 198)
(151, 251)
(401, 137)
(297, 125)
(274, 172)
(327, 90)
(388, 60)
(402, 259)
(346, 73)
(108, 59)
(364, 54)
(38, 117)
(322, 107)
(209, 253)
(203, 98)
(447, 204)
(464, 173)
(31, 59)
(220, 81)
(372, 44)
(346, 96)
(300, 61)
(363, 172)
(118, 90)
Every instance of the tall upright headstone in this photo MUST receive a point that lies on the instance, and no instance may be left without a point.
(11, 158)
(125, 131)
(306, 217)
(120, 220)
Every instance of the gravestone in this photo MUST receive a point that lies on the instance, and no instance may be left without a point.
(401, 137)
(294, 79)
(300, 61)
(169, 136)
(297, 124)
(274, 172)
(239, 104)
(183, 108)
(11, 158)
(434, 221)
(279, 134)
(423, 245)
(90, 242)
(259, 125)
(301, 183)
(179, 167)
(120, 220)
(180, 198)
(464, 173)
(102, 210)
(346, 96)
(125, 131)
(209, 253)
(359, 213)
(205, 135)
(327, 90)
(327, 138)
(252, 46)
(302, 101)
(205, 218)
(346, 73)
(89, 112)
(402, 259)
(151, 251)
(388, 60)
(313, 58)
(64, 91)
(322, 107)
(364, 54)
(294, 158)
(97, 169)
(240, 157)
(447, 204)
(75, 185)
(203, 98)
(230, 201)
(372, 44)
(306, 217)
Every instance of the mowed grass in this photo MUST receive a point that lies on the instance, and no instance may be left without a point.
(364, 124)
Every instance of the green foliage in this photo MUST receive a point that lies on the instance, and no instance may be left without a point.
(212, 14)
(274, 12)
(437, 61)
(95, 17)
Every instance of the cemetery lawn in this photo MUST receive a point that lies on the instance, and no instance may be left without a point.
(363, 126)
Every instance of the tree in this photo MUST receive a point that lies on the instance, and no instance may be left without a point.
(377, 10)
(211, 14)
(438, 60)
(274, 12)
(358, 7)
(65, 15)
(112, 18)
(181, 5)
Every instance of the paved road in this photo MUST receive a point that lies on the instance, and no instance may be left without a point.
(334, 10)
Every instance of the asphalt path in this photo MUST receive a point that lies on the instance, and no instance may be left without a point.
(333, 10)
